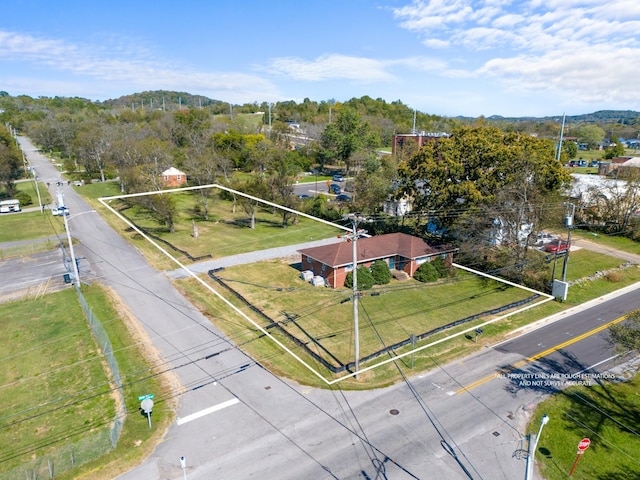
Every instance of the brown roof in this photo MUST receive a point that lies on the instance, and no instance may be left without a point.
(373, 248)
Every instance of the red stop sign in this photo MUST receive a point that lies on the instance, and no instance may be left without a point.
(584, 444)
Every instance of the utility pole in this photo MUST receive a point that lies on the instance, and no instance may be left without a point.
(569, 222)
(35, 180)
(353, 237)
(561, 135)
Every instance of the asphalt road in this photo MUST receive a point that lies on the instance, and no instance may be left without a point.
(237, 421)
(32, 275)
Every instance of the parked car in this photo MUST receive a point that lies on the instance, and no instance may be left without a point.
(578, 163)
(557, 246)
(343, 198)
(58, 211)
(304, 196)
(335, 189)
(542, 238)
(338, 178)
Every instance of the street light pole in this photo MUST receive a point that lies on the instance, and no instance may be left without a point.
(73, 257)
(533, 445)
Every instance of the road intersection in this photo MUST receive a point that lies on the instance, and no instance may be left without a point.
(236, 420)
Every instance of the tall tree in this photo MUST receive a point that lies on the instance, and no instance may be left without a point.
(486, 184)
(349, 134)
(615, 149)
(10, 162)
(590, 134)
(257, 188)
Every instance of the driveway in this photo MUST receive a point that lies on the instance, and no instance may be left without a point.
(289, 251)
(595, 247)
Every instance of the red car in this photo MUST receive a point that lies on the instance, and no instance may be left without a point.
(557, 246)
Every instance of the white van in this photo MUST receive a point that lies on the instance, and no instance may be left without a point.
(8, 206)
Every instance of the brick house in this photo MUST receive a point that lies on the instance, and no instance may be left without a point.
(400, 251)
(172, 177)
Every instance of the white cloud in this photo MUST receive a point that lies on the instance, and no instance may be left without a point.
(582, 50)
(332, 67)
(119, 63)
(591, 75)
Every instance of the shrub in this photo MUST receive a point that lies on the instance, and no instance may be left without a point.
(441, 267)
(426, 273)
(365, 279)
(613, 277)
(24, 197)
(380, 272)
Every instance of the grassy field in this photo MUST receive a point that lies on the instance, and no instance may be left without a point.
(389, 314)
(51, 373)
(28, 226)
(56, 403)
(400, 309)
(607, 414)
(225, 233)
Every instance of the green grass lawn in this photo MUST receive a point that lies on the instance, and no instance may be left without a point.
(28, 226)
(323, 317)
(608, 415)
(55, 397)
(392, 315)
(30, 188)
(400, 310)
(225, 233)
(51, 377)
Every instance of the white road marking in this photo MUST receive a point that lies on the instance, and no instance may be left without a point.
(207, 411)
(597, 364)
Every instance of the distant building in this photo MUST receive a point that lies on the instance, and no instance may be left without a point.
(401, 140)
(397, 207)
(172, 177)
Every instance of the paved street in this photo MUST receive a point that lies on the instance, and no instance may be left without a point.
(235, 420)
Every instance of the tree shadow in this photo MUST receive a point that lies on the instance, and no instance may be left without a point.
(592, 411)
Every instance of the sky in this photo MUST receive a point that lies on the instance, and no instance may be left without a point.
(512, 58)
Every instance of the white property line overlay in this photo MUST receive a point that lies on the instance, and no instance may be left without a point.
(207, 411)
(105, 200)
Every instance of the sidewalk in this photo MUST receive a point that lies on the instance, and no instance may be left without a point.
(249, 257)
(595, 247)
(33, 241)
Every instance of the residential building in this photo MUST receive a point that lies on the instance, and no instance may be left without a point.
(172, 177)
(400, 251)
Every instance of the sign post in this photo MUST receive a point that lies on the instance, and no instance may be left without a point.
(146, 405)
(582, 446)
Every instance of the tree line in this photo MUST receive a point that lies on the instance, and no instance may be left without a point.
(481, 185)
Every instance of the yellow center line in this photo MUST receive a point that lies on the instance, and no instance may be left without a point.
(535, 357)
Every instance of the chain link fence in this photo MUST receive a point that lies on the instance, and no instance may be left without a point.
(92, 446)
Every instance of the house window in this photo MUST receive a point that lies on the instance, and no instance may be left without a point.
(324, 267)
(308, 259)
(421, 260)
(348, 268)
(179, 177)
(166, 178)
